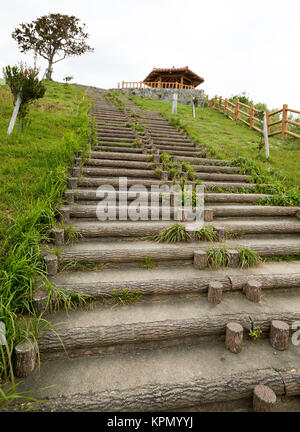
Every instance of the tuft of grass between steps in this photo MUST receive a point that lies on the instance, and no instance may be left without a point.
(219, 257)
(32, 181)
(229, 140)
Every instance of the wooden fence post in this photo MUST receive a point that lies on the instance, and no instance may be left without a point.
(251, 117)
(215, 102)
(266, 136)
(225, 106)
(236, 111)
(268, 122)
(284, 121)
(122, 84)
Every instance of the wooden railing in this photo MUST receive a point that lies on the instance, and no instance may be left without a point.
(248, 114)
(158, 84)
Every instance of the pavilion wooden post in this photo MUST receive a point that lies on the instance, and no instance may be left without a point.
(284, 121)
(236, 110)
(251, 117)
(181, 81)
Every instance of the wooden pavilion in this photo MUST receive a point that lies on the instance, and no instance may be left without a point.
(182, 78)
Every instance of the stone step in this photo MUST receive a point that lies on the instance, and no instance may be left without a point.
(177, 378)
(172, 322)
(104, 251)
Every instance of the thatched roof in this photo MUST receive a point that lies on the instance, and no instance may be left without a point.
(174, 75)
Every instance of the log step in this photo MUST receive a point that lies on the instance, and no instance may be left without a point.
(182, 281)
(142, 229)
(119, 172)
(163, 380)
(246, 210)
(173, 321)
(126, 251)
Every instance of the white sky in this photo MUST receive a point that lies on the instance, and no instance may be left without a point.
(236, 45)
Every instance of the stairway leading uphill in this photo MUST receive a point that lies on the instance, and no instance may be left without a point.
(166, 350)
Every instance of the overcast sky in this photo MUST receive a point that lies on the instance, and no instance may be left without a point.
(235, 45)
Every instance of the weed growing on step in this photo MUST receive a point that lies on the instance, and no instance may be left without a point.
(125, 296)
(279, 258)
(248, 257)
(148, 262)
(74, 265)
(59, 299)
(229, 235)
(71, 234)
(217, 257)
(137, 144)
(290, 198)
(255, 334)
(173, 234)
(206, 233)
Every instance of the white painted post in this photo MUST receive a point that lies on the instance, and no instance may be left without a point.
(174, 104)
(194, 112)
(266, 136)
(14, 114)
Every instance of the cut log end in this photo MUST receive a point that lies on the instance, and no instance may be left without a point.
(253, 291)
(58, 235)
(40, 301)
(208, 215)
(215, 291)
(234, 337)
(200, 260)
(264, 399)
(51, 262)
(279, 335)
(25, 358)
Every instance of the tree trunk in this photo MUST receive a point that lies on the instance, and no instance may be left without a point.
(49, 70)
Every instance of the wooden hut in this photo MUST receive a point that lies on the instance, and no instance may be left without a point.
(182, 78)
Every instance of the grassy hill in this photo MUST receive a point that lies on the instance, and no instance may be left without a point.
(227, 139)
(32, 180)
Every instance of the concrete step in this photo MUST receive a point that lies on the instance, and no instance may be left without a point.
(162, 380)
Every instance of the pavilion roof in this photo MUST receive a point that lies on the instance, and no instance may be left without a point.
(174, 74)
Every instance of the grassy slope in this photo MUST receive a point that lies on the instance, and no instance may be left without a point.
(228, 140)
(32, 180)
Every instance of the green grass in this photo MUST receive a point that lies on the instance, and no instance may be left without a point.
(217, 257)
(125, 296)
(227, 139)
(206, 233)
(248, 258)
(172, 234)
(148, 262)
(32, 181)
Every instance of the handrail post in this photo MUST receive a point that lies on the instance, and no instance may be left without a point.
(284, 121)
(122, 84)
(236, 111)
(268, 122)
(251, 117)
(225, 106)
(215, 102)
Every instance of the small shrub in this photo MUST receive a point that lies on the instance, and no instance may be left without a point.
(255, 334)
(148, 262)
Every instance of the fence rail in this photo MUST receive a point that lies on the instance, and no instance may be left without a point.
(158, 84)
(252, 120)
